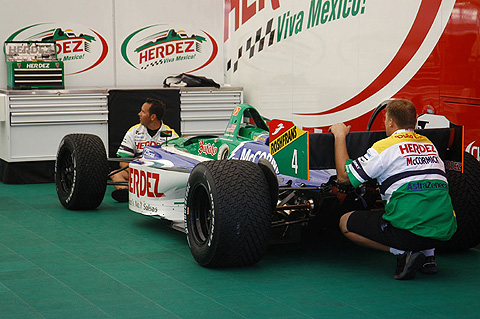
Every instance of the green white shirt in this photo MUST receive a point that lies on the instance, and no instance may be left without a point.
(137, 138)
(413, 184)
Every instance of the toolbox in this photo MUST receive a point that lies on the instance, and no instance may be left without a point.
(33, 65)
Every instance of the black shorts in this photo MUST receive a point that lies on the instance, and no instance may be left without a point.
(371, 225)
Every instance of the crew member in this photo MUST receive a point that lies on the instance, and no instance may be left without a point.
(146, 133)
(418, 213)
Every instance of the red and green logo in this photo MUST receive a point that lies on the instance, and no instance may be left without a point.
(159, 45)
(80, 48)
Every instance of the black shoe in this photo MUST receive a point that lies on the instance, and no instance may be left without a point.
(429, 265)
(120, 195)
(407, 264)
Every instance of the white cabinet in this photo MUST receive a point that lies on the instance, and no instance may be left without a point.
(33, 122)
(205, 111)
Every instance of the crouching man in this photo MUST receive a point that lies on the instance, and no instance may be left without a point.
(418, 213)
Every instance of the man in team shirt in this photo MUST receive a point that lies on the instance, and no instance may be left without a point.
(146, 133)
(418, 213)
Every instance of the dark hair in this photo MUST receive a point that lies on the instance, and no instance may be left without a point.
(157, 107)
(403, 113)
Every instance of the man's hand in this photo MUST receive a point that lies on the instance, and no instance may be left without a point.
(339, 130)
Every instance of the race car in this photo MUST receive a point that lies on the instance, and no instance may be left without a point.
(231, 197)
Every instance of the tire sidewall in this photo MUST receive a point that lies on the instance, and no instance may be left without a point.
(200, 178)
(89, 171)
(66, 148)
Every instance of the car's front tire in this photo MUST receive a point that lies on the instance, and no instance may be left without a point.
(81, 170)
(227, 213)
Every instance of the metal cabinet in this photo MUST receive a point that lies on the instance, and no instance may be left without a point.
(33, 122)
(207, 110)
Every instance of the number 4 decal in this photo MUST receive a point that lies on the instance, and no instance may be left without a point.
(295, 161)
(289, 147)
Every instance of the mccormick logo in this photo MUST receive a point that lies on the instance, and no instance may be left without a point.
(80, 48)
(158, 45)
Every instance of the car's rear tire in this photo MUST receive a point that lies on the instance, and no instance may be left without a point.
(227, 213)
(465, 194)
(81, 171)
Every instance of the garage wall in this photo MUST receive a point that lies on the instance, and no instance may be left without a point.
(320, 62)
(118, 43)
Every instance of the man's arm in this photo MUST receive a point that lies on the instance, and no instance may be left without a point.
(340, 132)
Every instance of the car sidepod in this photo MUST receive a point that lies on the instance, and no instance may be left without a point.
(157, 192)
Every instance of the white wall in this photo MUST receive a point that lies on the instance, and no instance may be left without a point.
(100, 63)
(89, 17)
(311, 68)
(201, 18)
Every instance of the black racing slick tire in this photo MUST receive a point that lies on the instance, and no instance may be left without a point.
(81, 171)
(227, 213)
(465, 194)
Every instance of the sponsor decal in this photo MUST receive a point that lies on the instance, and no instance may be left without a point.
(365, 157)
(247, 12)
(407, 135)
(282, 134)
(143, 183)
(147, 153)
(237, 109)
(141, 145)
(149, 208)
(420, 160)
(255, 27)
(424, 20)
(79, 47)
(158, 45)
(285, 24)
(474, 150)
(426, 185)
(356, 165)
(252, 151)
(453, 166)
(278, 128)
(418, 154)
(38, 66)
(260, 138)
(206, 148)
(231, 128)
(410, 149)
(283, 140)
(254, 155)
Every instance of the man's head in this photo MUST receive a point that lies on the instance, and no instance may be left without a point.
(400, 114)
(151, 114)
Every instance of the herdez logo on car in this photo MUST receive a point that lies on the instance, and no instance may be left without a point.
(80, 48)
(158, 45)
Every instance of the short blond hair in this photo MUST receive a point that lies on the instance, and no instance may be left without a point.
(403, 113)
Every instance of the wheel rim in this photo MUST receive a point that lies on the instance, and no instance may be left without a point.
(224, 155)
(201, 215)
(67, 170)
